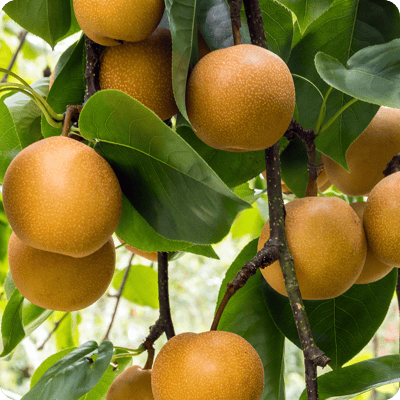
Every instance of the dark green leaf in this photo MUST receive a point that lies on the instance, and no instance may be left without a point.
(348, 382)
(206, 251)
(371, 75)
(233, 168)
(10, 145)
(160, 174)
(73, 375)
(48, 19)
(141, 285)
(69, 86)
(344, 29)
(246, 314)
(342, 326)
(307, 11)
(26, 114)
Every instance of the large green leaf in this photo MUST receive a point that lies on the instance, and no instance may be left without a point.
(341, 326)
(345, 28)
(141, 287)
(307, 11)
(69, 85)
(246, 314)
(372, 74)
(233, 168)
(19, 321)
(348, 382)
(10, 145)
(159, 173)
(73, 375)
(26, 114)
(48, 19)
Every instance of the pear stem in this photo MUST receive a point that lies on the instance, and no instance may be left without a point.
(71, 112)
(235, 7)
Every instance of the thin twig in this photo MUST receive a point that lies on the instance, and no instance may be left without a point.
(21, 37)
(92, 72)
(118, 296)
(235, 7)
(56, 325)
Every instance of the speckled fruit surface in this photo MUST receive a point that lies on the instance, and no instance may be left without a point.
(208, 365)
(328, 245)
(61, 196)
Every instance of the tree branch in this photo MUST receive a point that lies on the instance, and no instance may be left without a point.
(56, 325)
(92, 72)
(21, 37)
(235, 7)
(118, 296)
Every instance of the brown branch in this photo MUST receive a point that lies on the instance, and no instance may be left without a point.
(71, 113)
(56, 325)
(311, 379)
(92, 72)
(266, 256)
(235, 7)
(118, 296)
(21, 37)
(255, 23)
(163, 295)
(307, 136)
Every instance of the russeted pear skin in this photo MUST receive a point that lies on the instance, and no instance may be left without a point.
(107, 22)
(143, 70)
(381, 220)
(59, 282)
(240, 98)
(373, 269)
(207, 365)
(61, 196)
(133, 384)
(328, 245)
(149, 255)
(368, 155)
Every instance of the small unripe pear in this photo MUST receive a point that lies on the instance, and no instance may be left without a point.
(133, 384)
(208, 365)
(58, 282)
(328, 245)
(107, 22)
(61, 196)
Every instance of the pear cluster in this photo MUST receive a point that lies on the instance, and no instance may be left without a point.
(194, 366)
(63, 202)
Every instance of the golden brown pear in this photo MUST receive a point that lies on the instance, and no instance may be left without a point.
(208, 365)
(133, 384)
(373, 269)
(107, 22)
(368, 155)
(381, 218)
(60, 195)
(149, 255)
(328, 245)
(59, 282)
(252, 118)
(144, 71)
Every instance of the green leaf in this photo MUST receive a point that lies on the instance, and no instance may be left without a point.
(10, 145)
(48, 19)
(69, 86)
(49, 362)
(19, 321)
(339, 34)
(26, 114)
(12, 330)
(249, 222)
(73, 375)
(246, 314)
(141, 286)
(371, 75)
(348, 382)
(341, 326)
(233, 168)
(160, 174)
(307, 11)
